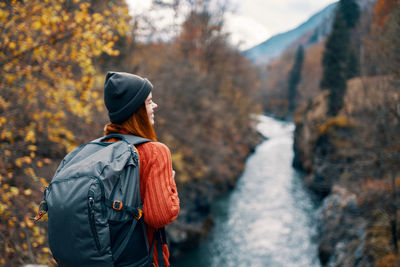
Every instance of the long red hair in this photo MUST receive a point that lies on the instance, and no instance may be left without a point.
(138, 124)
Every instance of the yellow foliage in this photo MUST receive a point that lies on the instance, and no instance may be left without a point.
(30, 172)
(14, 190)
(46, 250)
(3, 208)
(44, 182)
(37, 25)
(27, 160)
(32, 148)
(11, 223)
(3, 103)
(47, 56)
(338, 121)
(12, 45)
(18, 162)
(3, 15)
(29, 222)
(27, 192)
(177, 159)
(30, 136)
(36, 231)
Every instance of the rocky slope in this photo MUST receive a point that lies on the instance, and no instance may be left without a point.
(343, 158)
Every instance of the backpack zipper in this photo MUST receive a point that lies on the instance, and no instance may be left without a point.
(92, 221)
(103, 196)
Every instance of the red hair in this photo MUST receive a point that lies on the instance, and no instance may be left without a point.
(138, 124)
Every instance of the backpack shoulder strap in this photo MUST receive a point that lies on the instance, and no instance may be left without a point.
(131, 139)
(135, 140)
(160, 239)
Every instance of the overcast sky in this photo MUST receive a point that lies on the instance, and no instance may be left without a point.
(254, 21)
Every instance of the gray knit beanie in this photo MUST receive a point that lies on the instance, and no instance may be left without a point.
(124, 93)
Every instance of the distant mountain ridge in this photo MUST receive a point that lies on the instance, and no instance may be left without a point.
(313, 30)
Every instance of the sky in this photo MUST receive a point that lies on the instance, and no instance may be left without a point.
(251, 22)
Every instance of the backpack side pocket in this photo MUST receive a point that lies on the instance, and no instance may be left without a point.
(74, 238)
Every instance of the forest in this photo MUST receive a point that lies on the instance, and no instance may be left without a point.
(54, 55)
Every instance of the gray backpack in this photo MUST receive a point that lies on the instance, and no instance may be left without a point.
(94, 207)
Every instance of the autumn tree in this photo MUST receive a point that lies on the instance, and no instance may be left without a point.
(383, 9)
(47, 91)
(207, 91)
(217, 95)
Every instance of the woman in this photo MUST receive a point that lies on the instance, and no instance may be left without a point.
(128, 99)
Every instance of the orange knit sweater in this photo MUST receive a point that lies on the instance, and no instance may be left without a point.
(158, 190)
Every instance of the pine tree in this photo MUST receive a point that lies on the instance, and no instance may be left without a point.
(339, 63)
(353, 65)
(350, 12)
(295, 77)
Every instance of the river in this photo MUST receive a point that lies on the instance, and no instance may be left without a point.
(268, 219)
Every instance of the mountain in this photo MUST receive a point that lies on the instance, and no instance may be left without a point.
(311, 31)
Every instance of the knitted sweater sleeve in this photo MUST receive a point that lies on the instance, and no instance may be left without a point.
(159, 192)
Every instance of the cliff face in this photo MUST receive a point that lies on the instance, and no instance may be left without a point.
(347, 161)
(342, 234)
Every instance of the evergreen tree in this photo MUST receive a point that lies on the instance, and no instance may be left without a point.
(339, 62)
(353, 65)
(350, 12)
(295, 77)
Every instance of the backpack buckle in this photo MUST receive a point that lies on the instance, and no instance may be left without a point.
(139, 214)
(42, 211)
(117, 205)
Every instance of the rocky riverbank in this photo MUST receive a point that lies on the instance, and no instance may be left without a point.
(341, 231)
